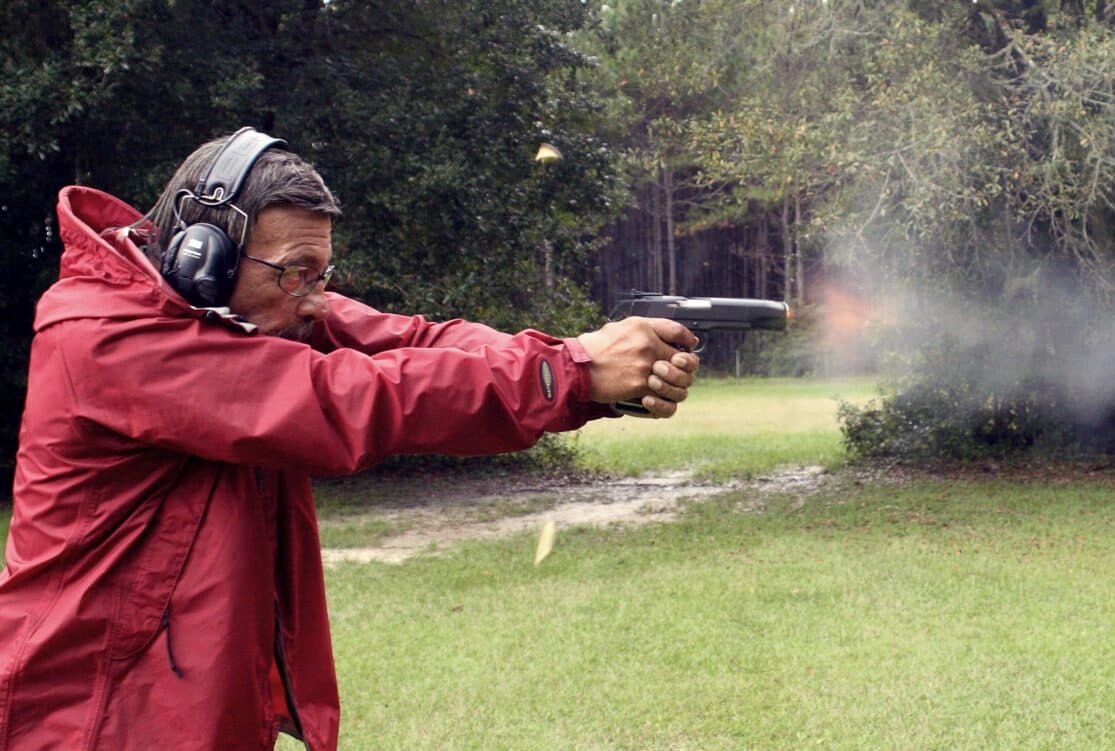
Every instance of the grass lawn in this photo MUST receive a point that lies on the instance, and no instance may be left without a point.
(939, 615)
(729, 427)
(931, 614)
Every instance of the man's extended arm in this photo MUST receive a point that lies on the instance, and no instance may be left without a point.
(194, 388)
(636, 357)
(353, 325)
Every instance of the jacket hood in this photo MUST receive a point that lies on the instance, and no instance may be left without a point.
(103, 273)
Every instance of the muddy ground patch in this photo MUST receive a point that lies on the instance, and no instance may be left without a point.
(427, 516)
(427, 513)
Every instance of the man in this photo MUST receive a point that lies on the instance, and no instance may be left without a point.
(164, 585)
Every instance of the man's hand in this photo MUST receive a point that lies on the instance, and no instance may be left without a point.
(641, 359)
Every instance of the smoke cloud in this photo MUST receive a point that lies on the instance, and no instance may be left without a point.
(1039, 336)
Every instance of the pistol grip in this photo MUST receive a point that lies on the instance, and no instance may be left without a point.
(635, 409)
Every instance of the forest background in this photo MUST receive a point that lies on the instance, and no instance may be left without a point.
(930, 183)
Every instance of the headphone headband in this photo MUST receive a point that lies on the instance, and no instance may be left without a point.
(201, 260)
(231, 166)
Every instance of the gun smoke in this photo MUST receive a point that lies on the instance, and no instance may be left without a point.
(1040, 341)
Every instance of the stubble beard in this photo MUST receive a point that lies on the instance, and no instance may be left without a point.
(297, 332)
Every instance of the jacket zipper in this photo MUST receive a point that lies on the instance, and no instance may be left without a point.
(169, 650)
(284, 676)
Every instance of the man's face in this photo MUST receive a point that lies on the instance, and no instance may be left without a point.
(287, 236)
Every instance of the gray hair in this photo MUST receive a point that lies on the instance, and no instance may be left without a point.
(278, 178)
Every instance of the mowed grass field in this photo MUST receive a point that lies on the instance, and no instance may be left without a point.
(940, 615)
(931, 613)
(731, 427)
(928, 614)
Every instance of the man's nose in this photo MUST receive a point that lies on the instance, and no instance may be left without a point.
(315, 305)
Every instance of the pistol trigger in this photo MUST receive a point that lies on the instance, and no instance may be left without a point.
(697, 334)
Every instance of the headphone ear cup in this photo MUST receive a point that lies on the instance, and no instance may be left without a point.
(200, 263)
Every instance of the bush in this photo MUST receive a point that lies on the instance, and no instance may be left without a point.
(927, 417)
(553, 453)
(984, 376)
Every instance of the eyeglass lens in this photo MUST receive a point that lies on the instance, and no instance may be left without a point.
(300, 280)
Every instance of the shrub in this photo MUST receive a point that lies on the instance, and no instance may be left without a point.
(553, 453)
(930, 417)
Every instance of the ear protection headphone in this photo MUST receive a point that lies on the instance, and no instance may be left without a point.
(201, 260)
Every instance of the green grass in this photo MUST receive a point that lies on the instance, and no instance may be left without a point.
(341, 506)
(932, 615)
(938, 616)
(730, 427)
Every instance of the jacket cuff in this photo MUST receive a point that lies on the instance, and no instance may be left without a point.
(580, 357)
(583, 387)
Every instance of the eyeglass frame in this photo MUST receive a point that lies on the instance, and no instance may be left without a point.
(323, 276)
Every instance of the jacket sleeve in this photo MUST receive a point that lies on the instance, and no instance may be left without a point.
(197, 388)
(353, 325)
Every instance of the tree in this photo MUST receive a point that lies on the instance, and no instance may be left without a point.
(1009, 210)
(428, 121)
(424, 117)
(661, 63)
(1061, 93)
(778, 142)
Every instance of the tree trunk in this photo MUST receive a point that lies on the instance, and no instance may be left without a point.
(548, 266)
(671, 242)
(787, 251)
(764, 256)
(654, 275)
(799, 270)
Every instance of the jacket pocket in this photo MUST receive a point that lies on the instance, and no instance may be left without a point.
(144, 600)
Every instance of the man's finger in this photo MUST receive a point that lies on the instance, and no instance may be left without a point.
(687, 361)
(659, 407)
(671, 374)
(667, 391)
(673, 333)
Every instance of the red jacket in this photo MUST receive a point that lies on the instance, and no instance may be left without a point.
(164, 586)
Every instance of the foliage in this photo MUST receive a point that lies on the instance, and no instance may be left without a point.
(1062, 104)
(444, 115)
(956, 421)
(963, 143)
(961, 147)
(974, 379)
(1013, 222)
(1017, 191)
(424, 118)
(779, 134)
(658, 64)
(975, 397)
(661, 63)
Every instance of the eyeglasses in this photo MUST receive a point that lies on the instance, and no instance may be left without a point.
(297, 281)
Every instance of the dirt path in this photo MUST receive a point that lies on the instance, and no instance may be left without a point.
(471, 513)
